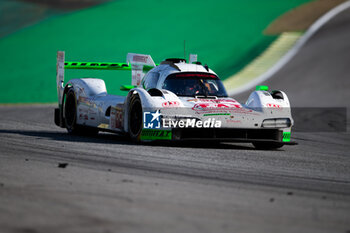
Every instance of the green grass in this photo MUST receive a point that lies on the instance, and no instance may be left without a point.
(225, 35)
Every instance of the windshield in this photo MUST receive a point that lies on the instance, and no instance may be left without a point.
(195, 84)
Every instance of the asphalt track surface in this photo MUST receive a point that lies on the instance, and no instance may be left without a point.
(112, 185)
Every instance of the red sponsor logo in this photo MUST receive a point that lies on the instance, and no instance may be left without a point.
(213, 106)
(170, 104)
(273, 105)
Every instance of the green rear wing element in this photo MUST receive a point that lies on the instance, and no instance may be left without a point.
(102, 66)
(138, 64)
(97, 65)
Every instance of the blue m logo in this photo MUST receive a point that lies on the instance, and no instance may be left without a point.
(151, 120)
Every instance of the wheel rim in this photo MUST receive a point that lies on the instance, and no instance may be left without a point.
(136, 118)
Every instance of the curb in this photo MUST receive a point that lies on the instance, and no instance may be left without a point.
(263, 62)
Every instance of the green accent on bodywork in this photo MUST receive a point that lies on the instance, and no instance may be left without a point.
(217, 114)
(262, 88)
(126, 87)
(286, 136)
(156, 134)
(97, 65)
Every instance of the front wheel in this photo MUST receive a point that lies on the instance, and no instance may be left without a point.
(267, 145)
(135, 118)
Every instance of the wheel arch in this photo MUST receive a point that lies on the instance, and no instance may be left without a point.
(259, 99)
(146, 102)
(61, 122)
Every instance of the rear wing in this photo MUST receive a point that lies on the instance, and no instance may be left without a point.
(139, 64)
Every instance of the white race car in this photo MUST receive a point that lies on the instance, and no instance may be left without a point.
(174, 100)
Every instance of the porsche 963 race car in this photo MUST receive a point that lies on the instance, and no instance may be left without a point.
(174, 100)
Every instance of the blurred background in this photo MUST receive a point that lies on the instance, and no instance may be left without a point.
(226, 35)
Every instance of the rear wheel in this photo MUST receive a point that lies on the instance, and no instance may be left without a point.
(70, 116)
(135, 118)
(267, 145)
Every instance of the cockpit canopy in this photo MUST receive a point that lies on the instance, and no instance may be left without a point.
(194, 84)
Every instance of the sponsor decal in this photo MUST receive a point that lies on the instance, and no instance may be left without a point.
(136, 77)
(169, 104)
(92, 113)
(151, 120)
(219, 105)
(213, 100)
(85, 101)
(215, 106)
(273, 105)
(191, 123)
(156, 134)
(233, 121)
(139, 58)
(117, 118)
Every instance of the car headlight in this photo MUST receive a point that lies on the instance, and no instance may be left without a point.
(277, 123)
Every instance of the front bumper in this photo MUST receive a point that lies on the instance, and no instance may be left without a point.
(228, 134)
(216, 134)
